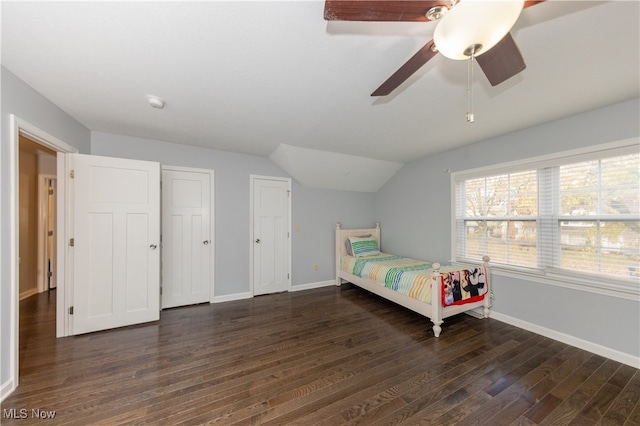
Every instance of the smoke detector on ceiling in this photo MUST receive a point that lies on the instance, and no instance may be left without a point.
(155, 101)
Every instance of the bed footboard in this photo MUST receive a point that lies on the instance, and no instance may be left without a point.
(441, 311)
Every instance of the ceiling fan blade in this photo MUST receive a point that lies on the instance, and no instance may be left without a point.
(502, 61)
(386, 10)
(405, 71)
(379, 10)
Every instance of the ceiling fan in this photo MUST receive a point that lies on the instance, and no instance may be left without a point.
(467, 29)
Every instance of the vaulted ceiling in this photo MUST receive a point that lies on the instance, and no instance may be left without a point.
(248, 76)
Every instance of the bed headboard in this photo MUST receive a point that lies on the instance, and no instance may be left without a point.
(342, 236)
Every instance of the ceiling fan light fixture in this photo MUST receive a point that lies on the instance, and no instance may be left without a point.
(475, 22)
(436, 12)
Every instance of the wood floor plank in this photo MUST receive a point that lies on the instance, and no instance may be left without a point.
(368, 406)
(523, 421)
(237, 388)
(623, 405)
(634, 417)
(327, 356)
(597, 406)
(330, 385)
(326, 371)
(512, 401)
(423, 399)
(544, 401)
(504, 363)
(573, 405)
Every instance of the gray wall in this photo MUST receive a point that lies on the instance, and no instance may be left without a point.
(422, 227)
(24, 102)
(316, 211)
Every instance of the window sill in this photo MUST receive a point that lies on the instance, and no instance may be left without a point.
(624, 289)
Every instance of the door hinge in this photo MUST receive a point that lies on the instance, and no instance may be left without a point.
(50, 233)
(71, 310)
(50, 274)
(72, 174)
(287, 275)
(50, 191)
(72, 242)
(161, 291)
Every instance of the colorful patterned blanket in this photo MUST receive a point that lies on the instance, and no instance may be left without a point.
(414, 278)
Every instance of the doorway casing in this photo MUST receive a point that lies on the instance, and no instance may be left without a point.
(22, 127)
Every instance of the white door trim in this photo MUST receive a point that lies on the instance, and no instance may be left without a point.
(252, 179)
(212, 219)
(18, 127)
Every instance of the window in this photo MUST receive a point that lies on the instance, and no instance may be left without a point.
(598, 224)
(569, 215)
(500, 216)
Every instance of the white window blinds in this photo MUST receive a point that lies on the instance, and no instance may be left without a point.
(598, 216)
(573, 214)
(499, 218)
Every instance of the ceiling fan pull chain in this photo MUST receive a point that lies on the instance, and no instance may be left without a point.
(470, 117)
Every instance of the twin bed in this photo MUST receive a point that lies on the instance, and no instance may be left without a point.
(427, 288)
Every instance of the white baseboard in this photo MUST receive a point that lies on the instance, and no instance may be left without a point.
(28, 293)
(613, 354)
(232, 297)
(248, 295)
(309, 286)
(6, 389)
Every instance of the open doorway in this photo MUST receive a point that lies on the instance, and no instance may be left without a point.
(37, 231)
(36, 217)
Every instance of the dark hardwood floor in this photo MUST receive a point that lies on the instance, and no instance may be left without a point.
(327, 356)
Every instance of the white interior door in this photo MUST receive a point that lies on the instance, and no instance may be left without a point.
(116, 237)
(270, 235)
(47, 233)
(187, 245)
(51, 234)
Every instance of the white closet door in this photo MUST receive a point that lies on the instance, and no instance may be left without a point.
(186, 237)
(116, 238)
(270, 236)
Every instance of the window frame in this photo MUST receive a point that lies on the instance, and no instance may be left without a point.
(626, 288)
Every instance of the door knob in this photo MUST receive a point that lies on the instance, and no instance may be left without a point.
(205, 242)
(258, 240)
(153, 246)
